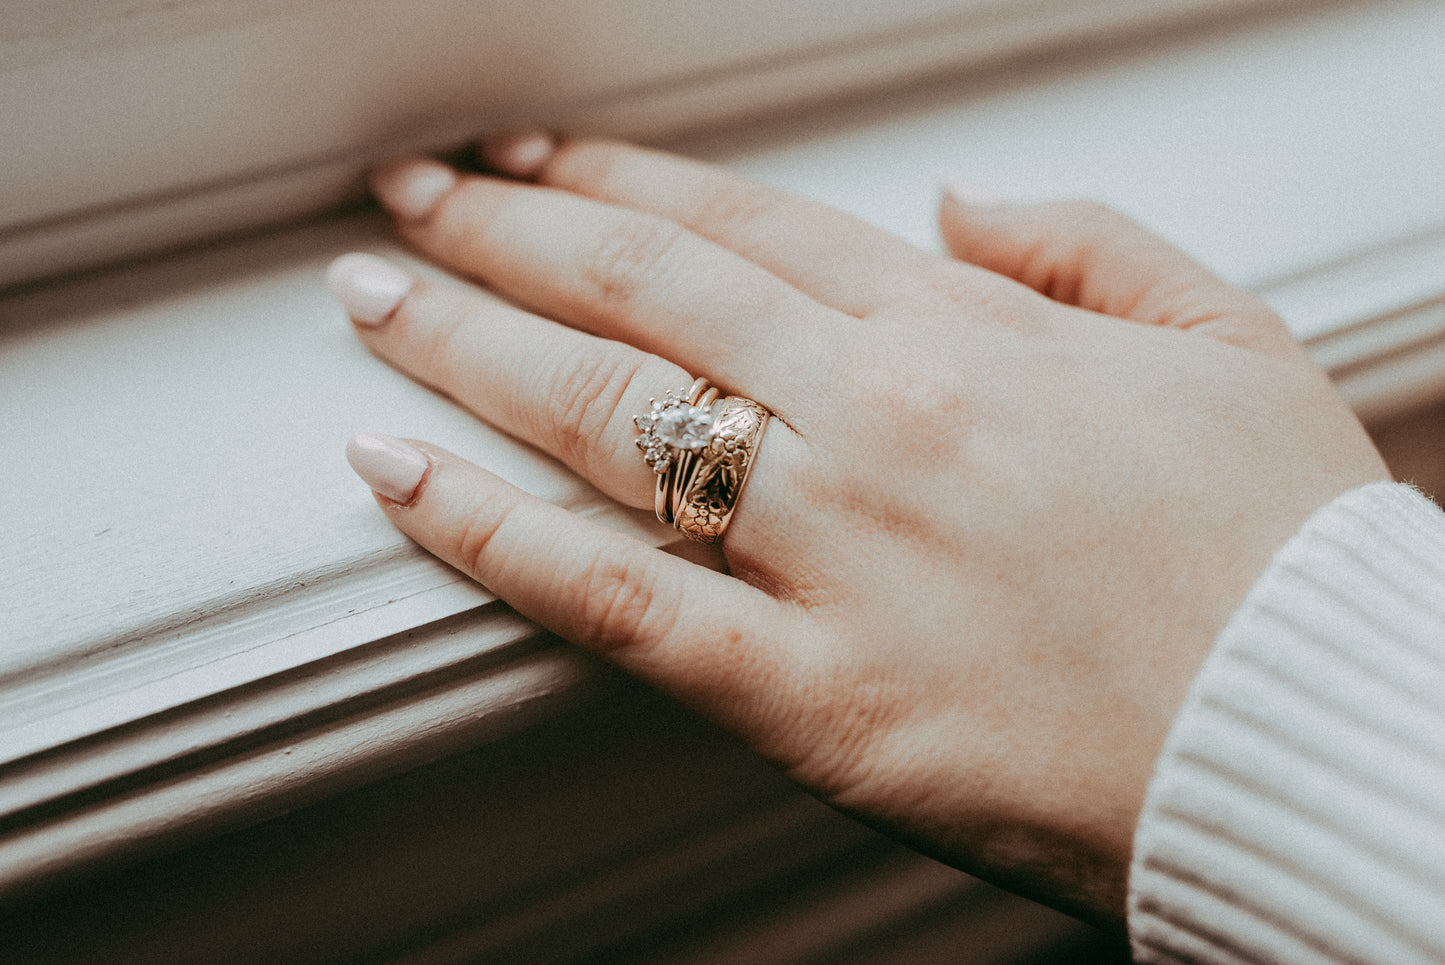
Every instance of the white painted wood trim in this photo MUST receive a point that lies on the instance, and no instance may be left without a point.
(162, 780)
(1376, 322)
(254, 171)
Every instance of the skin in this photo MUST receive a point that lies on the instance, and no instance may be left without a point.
(1008, 500)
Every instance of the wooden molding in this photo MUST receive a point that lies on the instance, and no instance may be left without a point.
(1375, 321)
(233, 166)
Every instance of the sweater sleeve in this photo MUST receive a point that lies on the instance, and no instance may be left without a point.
(1297, 813)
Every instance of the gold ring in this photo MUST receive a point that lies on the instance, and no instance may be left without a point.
(671, 430)
(702, 451)
(709, 492)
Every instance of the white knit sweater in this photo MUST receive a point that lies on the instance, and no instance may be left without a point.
(1298, 811)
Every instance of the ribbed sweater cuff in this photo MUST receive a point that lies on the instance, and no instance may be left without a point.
(1297, 814)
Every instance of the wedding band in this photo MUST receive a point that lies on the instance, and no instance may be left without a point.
(702, 451)
(709, 493)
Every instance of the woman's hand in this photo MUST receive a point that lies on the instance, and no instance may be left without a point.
(1005, 505)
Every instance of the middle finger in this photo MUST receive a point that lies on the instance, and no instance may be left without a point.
(621, 274)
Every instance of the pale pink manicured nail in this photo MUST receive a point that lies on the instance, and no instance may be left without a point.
(520, 153)
(387, 464)
(966, 192)
(368, 287)
(412, 187)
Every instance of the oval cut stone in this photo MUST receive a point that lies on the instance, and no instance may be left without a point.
(684, 426)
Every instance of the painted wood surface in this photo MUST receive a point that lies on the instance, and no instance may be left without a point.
(128, 128)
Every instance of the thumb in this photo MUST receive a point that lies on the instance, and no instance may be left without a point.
(1087, 255)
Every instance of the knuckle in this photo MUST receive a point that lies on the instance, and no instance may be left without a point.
(585, 399)
(584, 165)
(472, 222)
(1056, 269)
(632, 256)
(929, 283)
(1092, 229)
(856, 726)
(464, 220)
(732, 206)
(476, 540)
(621, 605)
(437, 322)
(1053, 249)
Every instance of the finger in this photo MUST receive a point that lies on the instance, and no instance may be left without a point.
(837, 259)
(1088, 255)
(570, 394)
(617, 273)
(697, 633)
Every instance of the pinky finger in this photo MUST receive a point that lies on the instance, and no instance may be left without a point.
(698, 634)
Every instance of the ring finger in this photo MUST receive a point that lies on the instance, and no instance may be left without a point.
(570, 393)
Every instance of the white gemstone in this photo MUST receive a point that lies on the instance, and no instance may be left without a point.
(684, 426)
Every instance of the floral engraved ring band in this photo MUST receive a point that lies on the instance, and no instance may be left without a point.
(702, 451)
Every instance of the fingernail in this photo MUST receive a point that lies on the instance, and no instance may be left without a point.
(411, 188)
(518, 153)
(966, 192)
(368, 287)
(387, 464)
